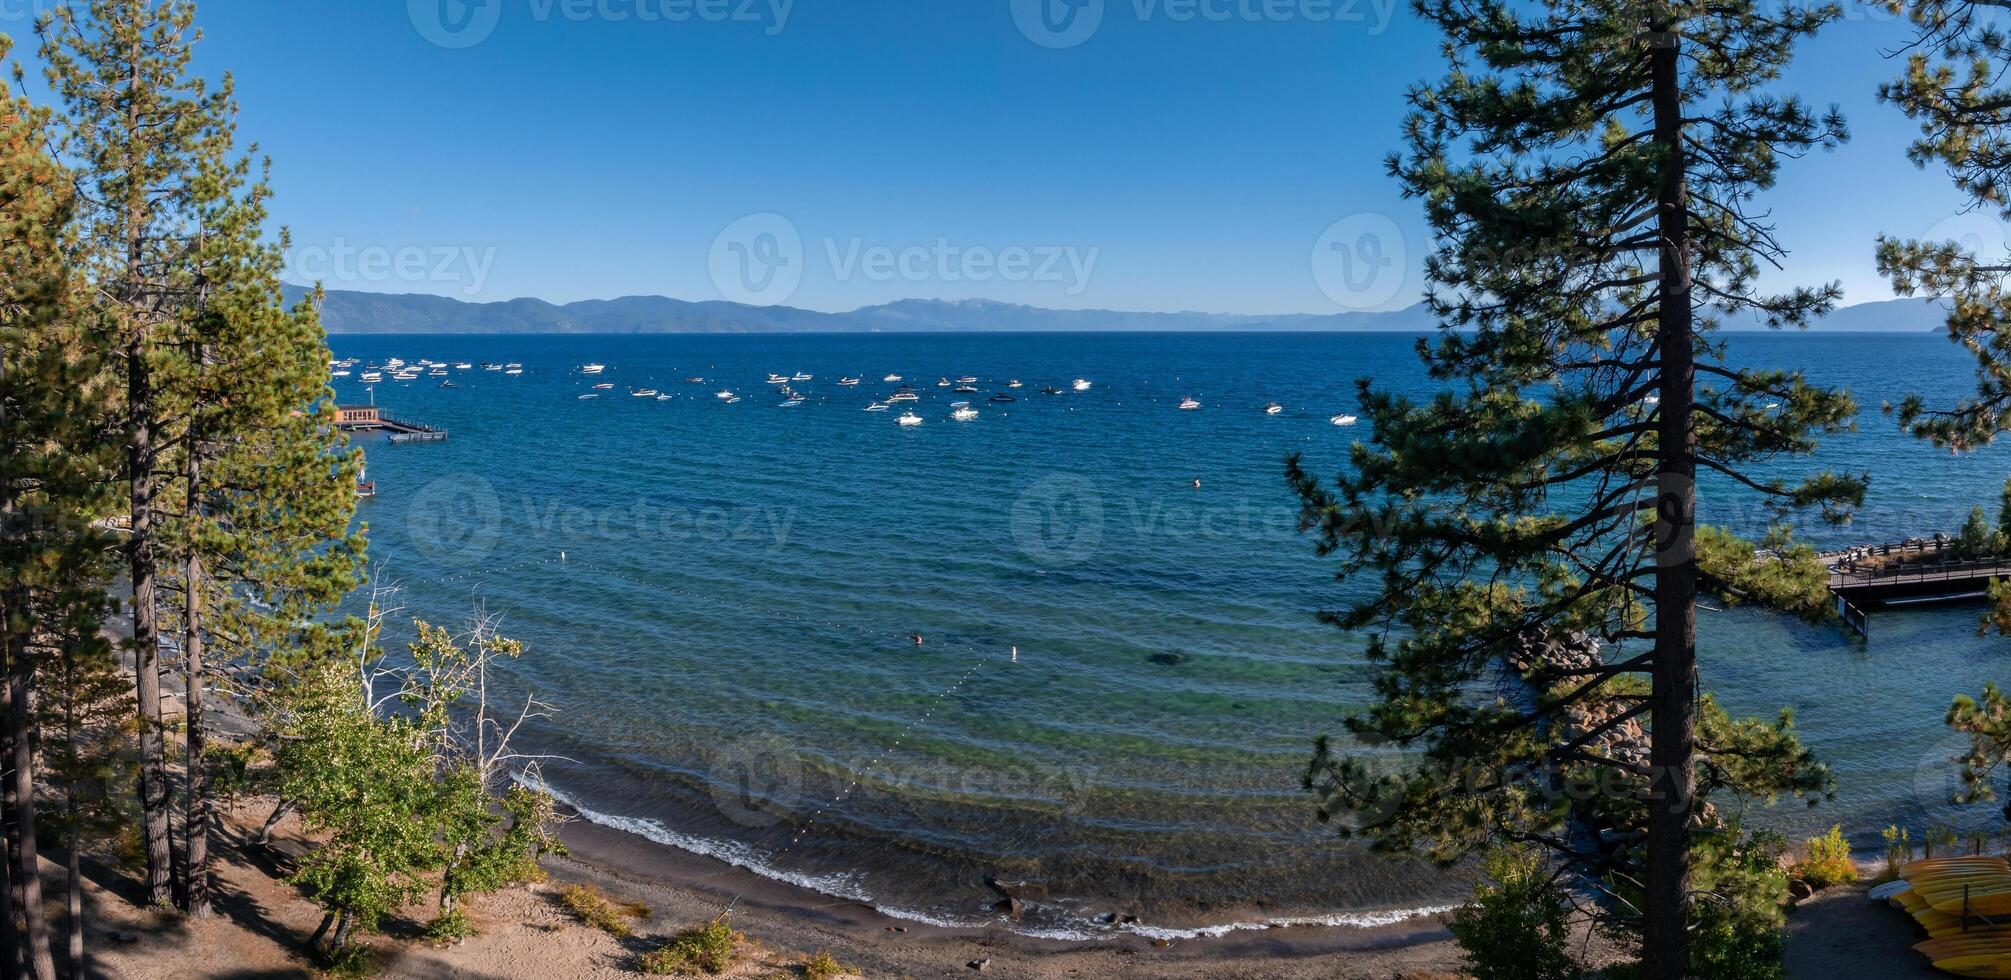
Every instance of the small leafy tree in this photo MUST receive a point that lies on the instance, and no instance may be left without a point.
(492, 830)
(367, 783)
(1518, 926)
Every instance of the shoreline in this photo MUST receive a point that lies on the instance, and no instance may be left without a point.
(620, 854)
(1059, 920)
(777, 911)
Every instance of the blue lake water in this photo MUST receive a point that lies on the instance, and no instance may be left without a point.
(721, 601)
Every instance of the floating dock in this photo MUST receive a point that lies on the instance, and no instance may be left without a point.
(366, 418)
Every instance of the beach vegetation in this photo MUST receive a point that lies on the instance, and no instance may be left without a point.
(824, 966)
(702, 950)
(1518, 926)
(1589, 176)
(1826, 860)
(593, 907)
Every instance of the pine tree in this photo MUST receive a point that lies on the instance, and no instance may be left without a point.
(139, 129)
(55, 403)
(263, 538)
(1588, 171)
(1955, 88)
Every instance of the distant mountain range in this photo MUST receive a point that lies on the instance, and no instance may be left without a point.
(351, 312)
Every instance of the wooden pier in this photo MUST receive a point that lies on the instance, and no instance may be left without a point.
(1918, 583)
(366, 418)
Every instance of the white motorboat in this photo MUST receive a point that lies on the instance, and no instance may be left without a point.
(891, 377)
(1273, 408)
(588, 395)
(722, 394)
(463, 366)
(1014, 383)
(663, 398)
(877, 407)
(964, 414)
(603, 386)
(848, 382)
(909, 418)
(800, 376)
(592, 368)
(778, 379)
(967, 380)
(903, 396)
(643, 393)
(372, 377)
(513, 370)
(1189, 404)
(792, 403)
(1081, 385)
(338, 373)
(1343, 420)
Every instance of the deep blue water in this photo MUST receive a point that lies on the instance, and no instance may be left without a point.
(727, 637)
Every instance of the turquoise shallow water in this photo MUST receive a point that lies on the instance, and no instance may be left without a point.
(728, 635)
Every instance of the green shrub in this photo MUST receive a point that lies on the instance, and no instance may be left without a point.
(1826, 861)
(708, 949)
(824, 967)
(451, 926)
(594, 908)
(1518, 925)
(1736, 919)
(1898, 851)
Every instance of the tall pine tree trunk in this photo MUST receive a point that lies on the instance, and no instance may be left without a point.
(140, 459)
(11, 959)
(197, 803)
(146, 634)
(73, 895)
(1672, 713)
(28, 858)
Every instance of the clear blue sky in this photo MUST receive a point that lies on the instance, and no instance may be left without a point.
(597, 148)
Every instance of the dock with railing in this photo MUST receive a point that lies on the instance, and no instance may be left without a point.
(1919, 570)
(366, 418)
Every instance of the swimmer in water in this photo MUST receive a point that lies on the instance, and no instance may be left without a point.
(917, 637)
(1197, 483)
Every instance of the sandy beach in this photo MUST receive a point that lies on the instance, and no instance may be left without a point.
(525, 933)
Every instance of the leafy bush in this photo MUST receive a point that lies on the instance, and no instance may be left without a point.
(1736, 921)
(1898, 851)
(1518, 925)
(451, 926)
(1826, 861)
(593, 907)
(708, 949)
(824, 967)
